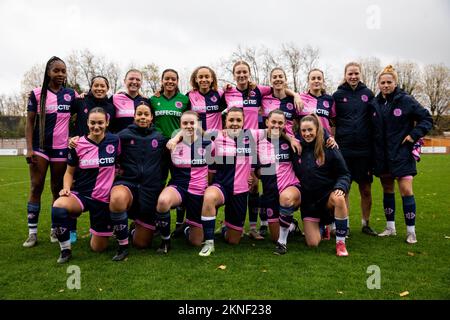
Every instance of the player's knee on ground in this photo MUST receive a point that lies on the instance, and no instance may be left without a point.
(142, 237)
(196, 236)
(99, 244)
(312, 242)
(233, 236)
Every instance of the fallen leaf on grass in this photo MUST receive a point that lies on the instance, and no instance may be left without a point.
(100, 289)
(340, 292)
(222, 267)
(446, 237)
(404, 293)
(62, 290)
(411, 254)
(253, 245)
(263, 270)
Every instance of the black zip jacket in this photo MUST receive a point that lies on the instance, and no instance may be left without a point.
(353, 120)
(82, 108)
(318, 181)
(141, 156)
(393, 119)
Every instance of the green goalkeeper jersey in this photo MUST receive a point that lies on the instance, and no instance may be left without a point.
(168, 112)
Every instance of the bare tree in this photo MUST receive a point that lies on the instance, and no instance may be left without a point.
(298, 62)
(409, 76)
(371, 67)
(436, 90)
(151, 81)
(112, 72)
(268, 62)
(292, 57)
(33, 78)
(13, 105)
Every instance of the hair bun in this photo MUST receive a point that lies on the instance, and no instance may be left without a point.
(389, 69)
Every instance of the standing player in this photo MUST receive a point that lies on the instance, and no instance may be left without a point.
(206, 99)
(168, 106)
(92, 165)
(316, 100)
(137, 186)
(189, 172)
(250, 100)
(354, 136)
(398, 122)
(125, 102)
(47, 131)
(280, 185)
(325, 180)
(279, 100)
(96, 97)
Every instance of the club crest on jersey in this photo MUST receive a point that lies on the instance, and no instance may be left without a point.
(110, 148)
(289, 106)
(246, 140)
(201, 151)
(364, 98)
(154, 143)
(252, 93)
(345, 99)
(67, 97)
(131, 141)
(269, 212)
(397, 112)
(179, 104)
(299, 161)
(284, 146)
(85, 110)
(214, 99)
(326, 104)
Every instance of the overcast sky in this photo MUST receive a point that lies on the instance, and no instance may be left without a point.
(184, 34)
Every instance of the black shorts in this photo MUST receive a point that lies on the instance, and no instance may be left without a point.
(52, 155)
(235, 208)
(143, 208)
(316, 210)
(99, 215)
(193, 204)
(271, 201)
(360, 169)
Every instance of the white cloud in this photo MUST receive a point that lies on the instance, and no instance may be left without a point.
(185, 34)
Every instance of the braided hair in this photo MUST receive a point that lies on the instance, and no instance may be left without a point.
(43, 99)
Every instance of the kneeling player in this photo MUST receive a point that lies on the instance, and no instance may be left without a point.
(189, 171)
(92, 165)
(325, 181)
(281, 186)
(138, 185)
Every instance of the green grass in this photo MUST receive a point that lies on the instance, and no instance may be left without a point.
(252, 271)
